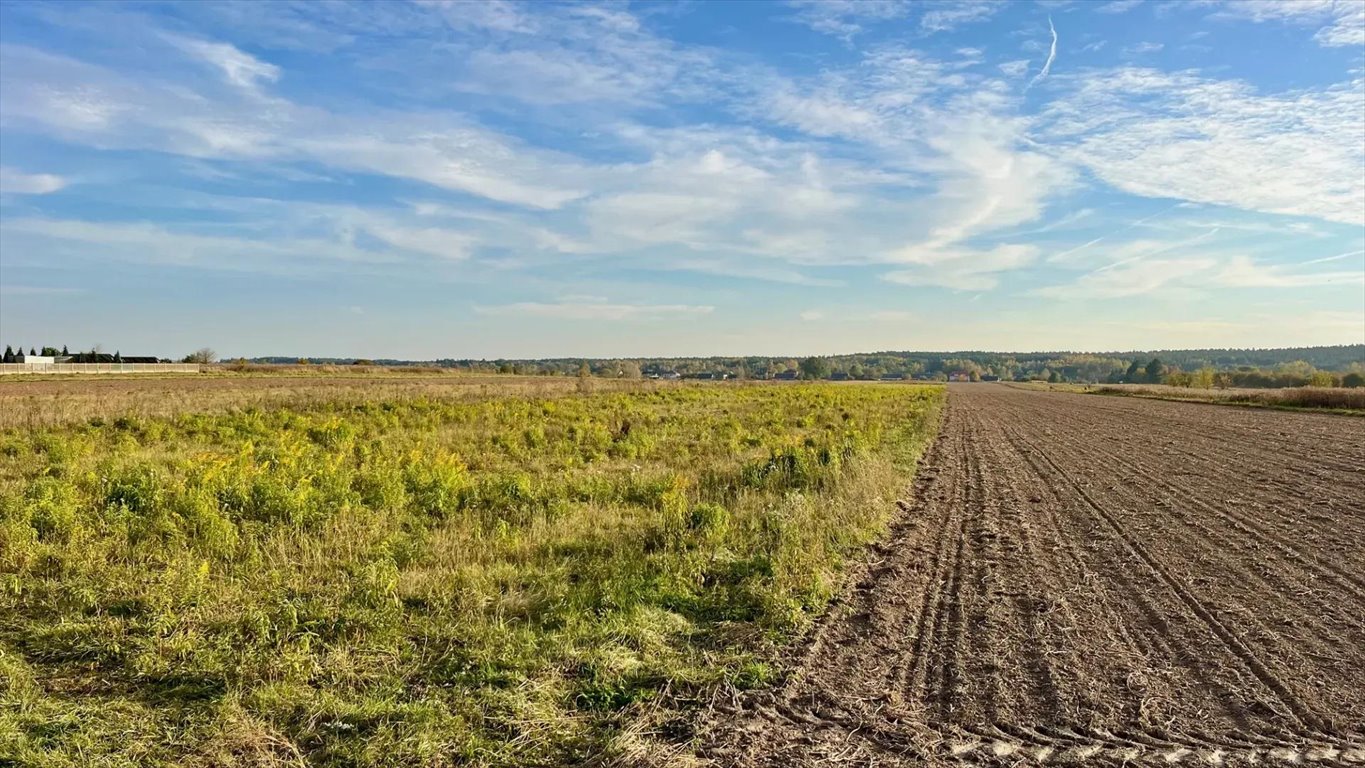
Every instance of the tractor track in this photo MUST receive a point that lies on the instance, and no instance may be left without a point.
(1092, 580)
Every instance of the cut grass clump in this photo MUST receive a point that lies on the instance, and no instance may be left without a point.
(493, 582)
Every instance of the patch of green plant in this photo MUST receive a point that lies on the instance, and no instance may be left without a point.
(420, 581)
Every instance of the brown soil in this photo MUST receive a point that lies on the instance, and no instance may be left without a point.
(1094, 579)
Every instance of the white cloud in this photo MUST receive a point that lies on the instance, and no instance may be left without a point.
(821, 113)
(1242, 272)
(812, 315)
(1131, 278)
(946, 16)
(845, 18)
(431, 241)
(594, 310)
(458, 158)
(497, 15)
(314, 238)
(960, 268)
(240, 68)
(1143, 266)
(92, 105)
(146, 243)
(1144, 48)
(659, 217)
(758, 272)
(16, 182)
(611, 65)
(1014, 68)
(989, 185)
(1183, 136)
(1118, 6)
(1129, 251)
(1342, 21)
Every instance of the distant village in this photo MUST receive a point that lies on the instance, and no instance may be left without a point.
(53, 356)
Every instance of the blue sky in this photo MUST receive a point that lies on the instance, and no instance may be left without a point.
(500, 180)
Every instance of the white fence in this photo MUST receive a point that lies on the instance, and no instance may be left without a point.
(12, 368)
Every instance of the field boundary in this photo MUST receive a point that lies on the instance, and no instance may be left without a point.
(14, 369)
(1189, 395)
(1215, 399)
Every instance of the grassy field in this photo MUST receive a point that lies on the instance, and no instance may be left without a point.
(416, 578)
(34, 402)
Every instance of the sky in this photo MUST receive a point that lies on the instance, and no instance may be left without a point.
(497, 180)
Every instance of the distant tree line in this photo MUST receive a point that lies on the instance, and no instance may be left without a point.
(1237, 367)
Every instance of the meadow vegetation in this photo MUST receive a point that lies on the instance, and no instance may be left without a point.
(37, 401)
(1329, 398)
(515, 579)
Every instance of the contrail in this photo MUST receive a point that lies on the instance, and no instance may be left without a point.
(1051, 55)
(1163, 249)
(1125, 228)
(1338, 257)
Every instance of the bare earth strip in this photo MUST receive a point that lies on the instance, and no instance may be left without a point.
(1097, 580)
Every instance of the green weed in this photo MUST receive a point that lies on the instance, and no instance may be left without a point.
(423, 581)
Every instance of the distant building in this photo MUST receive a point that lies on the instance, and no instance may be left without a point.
(34, 359)
(839, 376)
(990, 378)
(786, 376)
(959, 376)
(102, 357)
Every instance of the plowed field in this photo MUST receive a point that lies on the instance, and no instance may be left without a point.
(1097, 580)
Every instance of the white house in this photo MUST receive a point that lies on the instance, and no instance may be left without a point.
(34, 359)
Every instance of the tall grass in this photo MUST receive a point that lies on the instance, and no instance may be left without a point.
(1332, 398)
(31, 402)
(423, 581)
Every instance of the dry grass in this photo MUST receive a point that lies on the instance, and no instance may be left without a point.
(1328, 398)
(36, 402)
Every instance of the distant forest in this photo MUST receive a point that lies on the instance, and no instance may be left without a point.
(1292, 366)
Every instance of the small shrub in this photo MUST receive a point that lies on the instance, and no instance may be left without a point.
(709, 520)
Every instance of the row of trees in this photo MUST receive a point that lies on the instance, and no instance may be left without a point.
(11, 355)
(1208, 378)
(202, 356)
(1043, 366)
